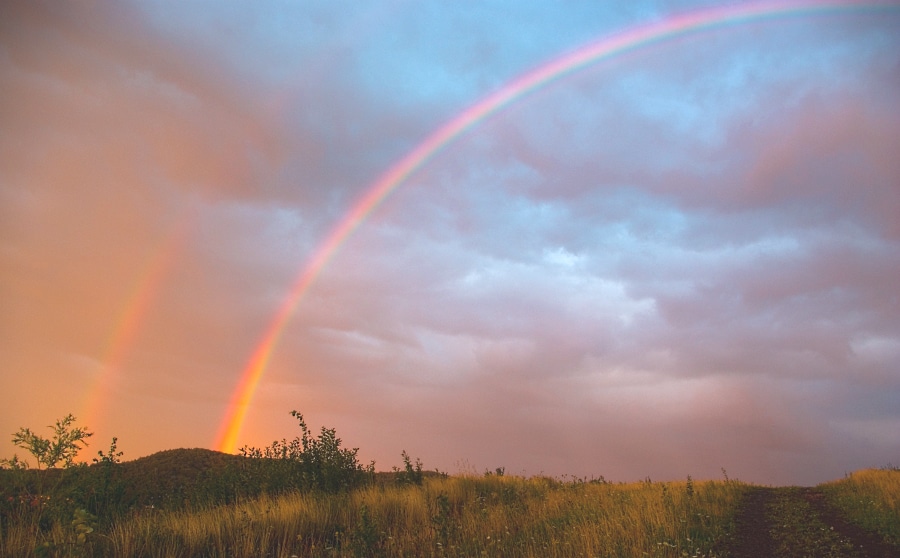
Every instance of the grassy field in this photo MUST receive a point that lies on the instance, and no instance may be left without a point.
(444, 516)
(870, 499)
(310, 497)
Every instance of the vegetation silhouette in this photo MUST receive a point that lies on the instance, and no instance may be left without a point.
(310, 496)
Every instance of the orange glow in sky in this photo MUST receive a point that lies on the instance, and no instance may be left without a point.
(647, 239)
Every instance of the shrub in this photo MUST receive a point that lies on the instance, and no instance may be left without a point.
(410, 474)
(65, 444)
(306, 462)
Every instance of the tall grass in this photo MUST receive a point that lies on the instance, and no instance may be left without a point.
(871, 499)
(450, 516)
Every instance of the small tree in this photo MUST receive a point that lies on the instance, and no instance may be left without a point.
(313, 462)
(111, 458)
(65, 444)
(410, 474)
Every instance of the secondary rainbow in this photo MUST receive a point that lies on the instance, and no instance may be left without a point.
(626, 41)
(123, 335)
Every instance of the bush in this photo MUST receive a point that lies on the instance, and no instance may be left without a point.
(65, 444)
(410, 474)
(305, 462)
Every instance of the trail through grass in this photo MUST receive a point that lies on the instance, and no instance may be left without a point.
(852, 518)
(491, 515)
(871, 499)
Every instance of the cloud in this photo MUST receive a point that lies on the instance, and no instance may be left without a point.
(678, 260)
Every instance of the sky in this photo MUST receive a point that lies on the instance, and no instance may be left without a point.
(679, 258)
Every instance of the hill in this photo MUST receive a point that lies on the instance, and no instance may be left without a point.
(165, 479)
(168, 479)
(173, 476)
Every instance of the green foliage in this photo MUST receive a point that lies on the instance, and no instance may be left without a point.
(100, 488)
(411, 474)
(15, 463)
(499, 471)
(112, 457)
(45, 496)
(308, 462)
(366, 538)
(78, 539)
(65, 444)
(83, 524)
(871, 499)
(797, 530)
(442, 520)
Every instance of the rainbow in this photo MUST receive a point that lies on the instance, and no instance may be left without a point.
(626, 41)
(123, 335)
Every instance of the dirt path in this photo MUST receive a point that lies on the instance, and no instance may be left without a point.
(799, 522)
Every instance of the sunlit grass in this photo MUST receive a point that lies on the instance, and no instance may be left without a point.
(871, 499)
(450, 516)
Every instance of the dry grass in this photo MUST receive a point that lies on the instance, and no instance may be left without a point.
(455, 516)
(871, 499)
